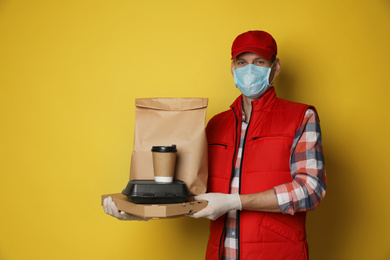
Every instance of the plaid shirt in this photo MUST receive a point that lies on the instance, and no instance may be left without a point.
(307, 170)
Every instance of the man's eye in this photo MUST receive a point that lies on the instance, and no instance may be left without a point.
(260, 62)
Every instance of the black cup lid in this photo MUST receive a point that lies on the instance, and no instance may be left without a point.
(164, 149)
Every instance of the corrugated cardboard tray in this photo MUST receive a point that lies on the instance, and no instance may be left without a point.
(155, 210)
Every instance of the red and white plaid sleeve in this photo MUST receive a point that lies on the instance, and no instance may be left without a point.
(308, 187)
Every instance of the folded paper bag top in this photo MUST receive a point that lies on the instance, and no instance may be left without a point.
(167, 121)
(173, 104)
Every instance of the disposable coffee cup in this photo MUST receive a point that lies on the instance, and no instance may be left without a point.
(164, 161)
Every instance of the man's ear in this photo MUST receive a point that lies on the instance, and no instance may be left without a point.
(276, 68)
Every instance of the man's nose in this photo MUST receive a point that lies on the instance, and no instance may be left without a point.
(250, 68)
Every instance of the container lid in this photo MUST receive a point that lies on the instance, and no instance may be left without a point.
(149, 191)
(164, 149)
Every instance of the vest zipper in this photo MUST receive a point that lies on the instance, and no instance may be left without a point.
(221, 240)
(235, 149)
(239, 188)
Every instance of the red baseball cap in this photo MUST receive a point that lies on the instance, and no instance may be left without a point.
(259, 42)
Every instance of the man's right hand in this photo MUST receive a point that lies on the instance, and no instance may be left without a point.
(111, 209)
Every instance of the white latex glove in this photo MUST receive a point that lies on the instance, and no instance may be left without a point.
(111, 209)
(219, 204)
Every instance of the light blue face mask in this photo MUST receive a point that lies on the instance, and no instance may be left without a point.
(252, 80)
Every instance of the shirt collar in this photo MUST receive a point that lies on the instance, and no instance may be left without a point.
(243, 113)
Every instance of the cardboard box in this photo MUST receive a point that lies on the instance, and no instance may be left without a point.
(155, 211)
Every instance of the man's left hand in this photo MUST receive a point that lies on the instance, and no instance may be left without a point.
(218, 205)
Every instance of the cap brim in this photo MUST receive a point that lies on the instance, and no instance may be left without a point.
(266, 54)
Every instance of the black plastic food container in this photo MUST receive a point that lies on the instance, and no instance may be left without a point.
(151, 192)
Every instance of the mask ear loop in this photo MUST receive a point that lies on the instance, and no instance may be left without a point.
(270, 72)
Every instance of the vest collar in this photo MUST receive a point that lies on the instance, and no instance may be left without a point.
(265, 102)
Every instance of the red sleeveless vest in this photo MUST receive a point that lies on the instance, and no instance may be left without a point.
(265, 164)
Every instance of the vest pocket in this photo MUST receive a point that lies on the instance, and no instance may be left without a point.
(219, 155)
(219, 145)
(267, 153)
(275, 231)
(270, 137)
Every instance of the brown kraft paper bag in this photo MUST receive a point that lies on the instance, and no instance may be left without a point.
(168, 121)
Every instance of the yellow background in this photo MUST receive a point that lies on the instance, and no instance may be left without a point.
(69, 74)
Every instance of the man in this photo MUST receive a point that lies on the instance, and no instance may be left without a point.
(266, 165)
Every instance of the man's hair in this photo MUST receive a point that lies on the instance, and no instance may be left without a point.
(273, 59)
